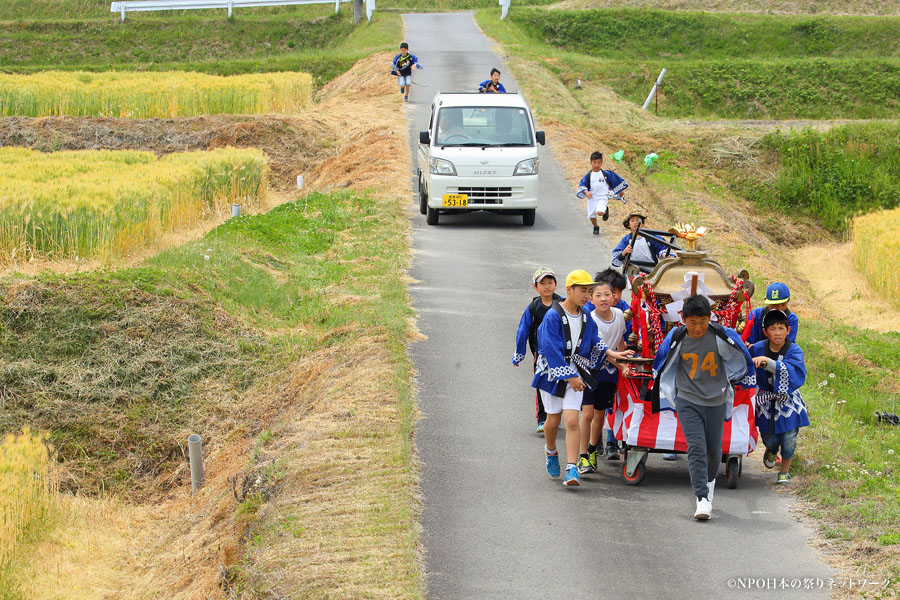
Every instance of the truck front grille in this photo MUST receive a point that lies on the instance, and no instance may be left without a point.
(487, 194)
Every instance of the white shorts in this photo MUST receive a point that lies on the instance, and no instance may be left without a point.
(553, 405)
(596, 205)
(404, 80)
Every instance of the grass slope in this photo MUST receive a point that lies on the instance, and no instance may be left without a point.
(225, 336)
(722, 65)
(264, 42)
(832, 176)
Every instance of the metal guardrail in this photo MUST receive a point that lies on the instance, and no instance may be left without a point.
(150, 5)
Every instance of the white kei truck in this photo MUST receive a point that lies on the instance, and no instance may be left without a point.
(479, 153)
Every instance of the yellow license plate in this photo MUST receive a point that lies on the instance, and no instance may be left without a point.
(456, 200)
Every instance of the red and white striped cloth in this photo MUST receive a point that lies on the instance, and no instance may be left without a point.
(633, 422)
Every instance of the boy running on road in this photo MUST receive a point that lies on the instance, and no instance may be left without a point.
(598, 186)
(402, 66)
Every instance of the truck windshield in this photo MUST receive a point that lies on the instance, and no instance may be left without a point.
(483, 126)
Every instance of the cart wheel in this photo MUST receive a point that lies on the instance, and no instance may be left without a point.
(638, 476)
(733, 471)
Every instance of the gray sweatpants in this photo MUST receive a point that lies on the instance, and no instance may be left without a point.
(702, 427)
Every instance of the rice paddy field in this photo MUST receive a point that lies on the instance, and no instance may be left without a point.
(97, 203)
(144, 95)
(26, 488)
(876, 250)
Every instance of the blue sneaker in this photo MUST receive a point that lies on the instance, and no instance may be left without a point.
(553, 465)
(572, 477)
(540, 427)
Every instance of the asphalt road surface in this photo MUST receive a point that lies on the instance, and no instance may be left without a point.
(495, 525)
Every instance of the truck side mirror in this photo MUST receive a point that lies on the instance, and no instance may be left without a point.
(424, 138)
(539, 136)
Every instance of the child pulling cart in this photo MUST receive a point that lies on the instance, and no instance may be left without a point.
(655, 306)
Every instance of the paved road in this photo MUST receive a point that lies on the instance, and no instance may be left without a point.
(495, 526)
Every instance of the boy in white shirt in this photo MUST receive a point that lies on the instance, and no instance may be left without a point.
(610, 323)
(598, 186)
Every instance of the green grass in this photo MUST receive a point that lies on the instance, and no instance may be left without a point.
(720, 66)
(115, 364)
(832, 176)
(632, 34)
(809, 88)
(851, 461)
(312, 39)
(11, 10)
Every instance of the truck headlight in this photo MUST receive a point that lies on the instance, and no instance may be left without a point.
(527, 167)
(439, 166)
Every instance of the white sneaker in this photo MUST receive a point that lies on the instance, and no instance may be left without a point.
(711, 486)
(704, 509)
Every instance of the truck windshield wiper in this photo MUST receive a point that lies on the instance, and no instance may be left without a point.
(507, 144)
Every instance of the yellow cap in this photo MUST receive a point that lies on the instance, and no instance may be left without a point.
(578, 277)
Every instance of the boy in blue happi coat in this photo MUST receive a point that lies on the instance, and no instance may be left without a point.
(694, 370)
(569, 347)
(402, 67)
(780, 411)
(777, 297)
(598, 186)
(643, 250)
(492, 85)
(544, 283)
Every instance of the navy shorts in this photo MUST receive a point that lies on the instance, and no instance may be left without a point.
(786, 441)
(602, 397)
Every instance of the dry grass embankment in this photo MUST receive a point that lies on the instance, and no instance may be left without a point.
(310, 487)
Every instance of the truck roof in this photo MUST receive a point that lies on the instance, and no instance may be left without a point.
(477, 99)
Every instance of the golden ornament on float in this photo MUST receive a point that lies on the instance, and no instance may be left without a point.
(688, 232)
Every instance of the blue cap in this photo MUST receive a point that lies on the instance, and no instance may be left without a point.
(777, 293)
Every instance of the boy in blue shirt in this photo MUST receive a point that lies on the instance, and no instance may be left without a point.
(402, 66)
(569, 347)
(492, 85)
(598, 186)
(544, 282)
(777, 297)
(694, 370)
(780, 411)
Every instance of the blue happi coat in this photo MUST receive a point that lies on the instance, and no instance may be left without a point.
(753, 330)
(526, 329)
(616, 184)
(657, 249)
(552, 365)
(483, 86)
(781, 388)
(739, 367)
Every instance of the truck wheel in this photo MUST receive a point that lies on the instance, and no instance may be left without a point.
(423, 196)
(432, 216)
(528, 216)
